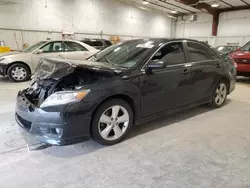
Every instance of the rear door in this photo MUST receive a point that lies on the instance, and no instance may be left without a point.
(206, 69)
(75, 51)
(166, 89)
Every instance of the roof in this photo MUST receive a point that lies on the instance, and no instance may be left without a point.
(165, 39)
(177, 7)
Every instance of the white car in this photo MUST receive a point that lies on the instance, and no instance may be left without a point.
(19, 66)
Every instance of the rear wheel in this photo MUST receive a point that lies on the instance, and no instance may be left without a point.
(18, 72)
(111, 122)
(220, 95)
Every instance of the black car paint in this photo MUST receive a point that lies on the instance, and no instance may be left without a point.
(149, 94)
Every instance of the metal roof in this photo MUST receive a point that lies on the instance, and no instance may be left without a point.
(186, 6)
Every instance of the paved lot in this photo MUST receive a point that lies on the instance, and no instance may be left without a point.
(196, 148)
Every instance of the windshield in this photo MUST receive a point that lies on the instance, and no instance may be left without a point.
(246, 47)
(125, 54)
(33, 47)
(226, 48)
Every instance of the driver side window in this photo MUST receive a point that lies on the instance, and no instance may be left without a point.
(53, 47)
(171, 54)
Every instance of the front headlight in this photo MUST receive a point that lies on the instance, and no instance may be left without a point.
(64, 97)
(1, 58)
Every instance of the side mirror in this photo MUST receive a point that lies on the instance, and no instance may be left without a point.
(238, 49)
(39, 51)
(156, 64)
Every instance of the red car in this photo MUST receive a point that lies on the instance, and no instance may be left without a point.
(242, 59)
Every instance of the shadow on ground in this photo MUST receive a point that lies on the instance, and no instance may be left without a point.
(7, 81)
(4, 80)
(90, 146)
(243, 80)
(170, 119)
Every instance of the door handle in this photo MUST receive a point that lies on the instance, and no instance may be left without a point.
(185, 71)
(61, 55)
(218, 65)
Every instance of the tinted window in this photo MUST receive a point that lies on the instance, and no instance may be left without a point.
(93, 43)
(53, 47)
(73, 46)
(125, 54)
(108, 43)
(171, 54)
(199, 52)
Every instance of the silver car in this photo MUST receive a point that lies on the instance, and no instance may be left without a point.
(19, 66)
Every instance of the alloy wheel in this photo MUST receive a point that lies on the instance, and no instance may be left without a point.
(220, 94)
(113, 123)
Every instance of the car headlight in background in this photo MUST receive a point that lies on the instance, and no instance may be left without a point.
(64, 97)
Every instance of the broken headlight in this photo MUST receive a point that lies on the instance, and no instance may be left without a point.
(64, 97)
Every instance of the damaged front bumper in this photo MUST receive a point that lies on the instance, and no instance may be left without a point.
(57, 125)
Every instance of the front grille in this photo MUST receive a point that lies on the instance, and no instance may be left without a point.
(242, 60)
(24, 123)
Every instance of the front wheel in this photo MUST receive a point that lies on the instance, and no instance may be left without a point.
(111, 122)
(219, 95)
(18, 72)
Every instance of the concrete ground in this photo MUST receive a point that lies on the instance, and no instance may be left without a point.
(201, 147)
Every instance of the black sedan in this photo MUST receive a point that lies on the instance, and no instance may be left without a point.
(123, 85)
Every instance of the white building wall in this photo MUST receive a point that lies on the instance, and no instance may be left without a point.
(234, 27)
(28, 21)
(200, 29)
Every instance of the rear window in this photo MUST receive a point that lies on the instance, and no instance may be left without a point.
(93, 43)
(108, 43)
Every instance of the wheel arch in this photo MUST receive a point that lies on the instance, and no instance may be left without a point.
(227, 80)
(17, 62)
(124, 97)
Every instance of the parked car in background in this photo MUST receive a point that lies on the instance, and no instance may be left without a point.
(226, 49)
(242, 60)
(19, 66)
(128, 83)
(99, 44)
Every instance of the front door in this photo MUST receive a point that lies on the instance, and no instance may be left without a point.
(52, 49)
(168, 88)
(206, 68)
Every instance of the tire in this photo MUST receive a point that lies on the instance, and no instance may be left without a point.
(18, 72)
(220, 94)
(106, 128)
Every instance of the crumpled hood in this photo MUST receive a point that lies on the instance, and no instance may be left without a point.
(9, 54)
(54, 68)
